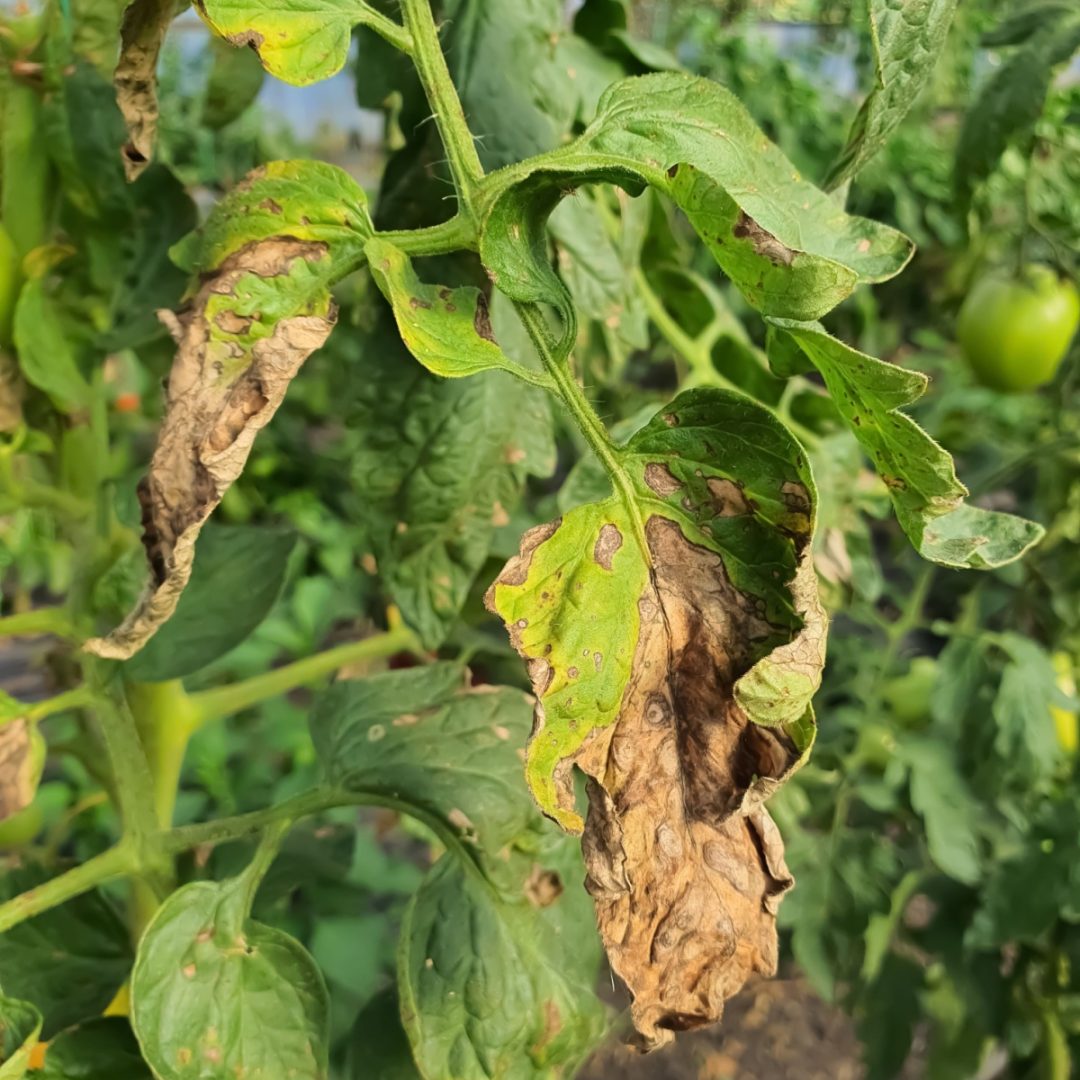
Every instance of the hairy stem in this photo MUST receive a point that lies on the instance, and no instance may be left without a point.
(386, 28)
(210, 705)
(445, 104)
(453, 235)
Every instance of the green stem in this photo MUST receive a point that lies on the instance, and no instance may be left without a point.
(49, 620)
(590, 425)
(114, 863)
(210, 705)
(453, 235)
(70, 699)
(386, 28)
(445, 104)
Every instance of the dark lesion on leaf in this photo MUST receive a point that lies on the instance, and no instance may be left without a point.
(482, 320)
(762, 241)
(607, 543)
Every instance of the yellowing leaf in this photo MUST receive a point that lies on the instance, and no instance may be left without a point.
(674, 638)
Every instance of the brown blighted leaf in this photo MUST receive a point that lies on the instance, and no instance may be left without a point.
(141, 35)
(240, 340)
(21, 759)
(674, 639)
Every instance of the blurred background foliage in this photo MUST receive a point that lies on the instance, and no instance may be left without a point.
(935, 835)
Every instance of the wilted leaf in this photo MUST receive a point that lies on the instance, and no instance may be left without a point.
(692, 140)
(20, 1024)
(216, 996)
(141, 35)
(423, 737)
(498, 987)
(920, 475)
(908, 38)
(22, 755)
(240, 341)
(102, 1049)
(440, 464)
(674, 639)
(87, 946)
(235, 581)
(447, 330)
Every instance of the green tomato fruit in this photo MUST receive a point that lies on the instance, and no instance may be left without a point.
(908, 695)
(1015, 331)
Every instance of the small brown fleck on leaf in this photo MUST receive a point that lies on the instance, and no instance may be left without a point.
(501, 732)
(482, 320)
(543, 887)
(270, 206)
(514, 455)
(499, 516)
(728, 499)
(368, 564)
(607, 543)
(460, 820)
(417, 302)
(762, 241)
(406, 720)
(188, 971)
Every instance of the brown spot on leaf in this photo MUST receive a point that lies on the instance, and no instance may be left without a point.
(658, 477)
(762, 241)
(482, 320)
(727, 498)
(607, 543)
(270, 206)
(417, 302)
(499, 516)
(543, 887)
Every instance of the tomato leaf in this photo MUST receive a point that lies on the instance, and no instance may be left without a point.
(215, 995)
(921, 477)
(20, 1025)
(46, 357)
(87, 946)
(102, 1049)
(378, 1045)
(674, 639)
(422, 736)
(236, 579)
(22, 757)
(498, 987)
(693, 141)
(907, 40)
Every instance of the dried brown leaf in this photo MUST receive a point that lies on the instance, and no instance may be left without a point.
(18, 779)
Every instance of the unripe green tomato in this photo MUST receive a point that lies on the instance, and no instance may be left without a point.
(908, 695)
(876, 745)
(1015, 331)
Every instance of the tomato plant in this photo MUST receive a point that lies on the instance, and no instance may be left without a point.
(452, 353)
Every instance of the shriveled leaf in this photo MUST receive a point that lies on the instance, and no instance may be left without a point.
(102, 1049)
(425, 738)
(240, 341)
(215, 995)
(299, 41)
(20, 1025)
(447, 330)
(87, 949)
(304, 200)
(492, 986)
(920, 475)
(908, 38)
(674, 638)
(786, 245)
(141, 36)
(440, 464)
(22, 757)
(236, 579)
(46, 357)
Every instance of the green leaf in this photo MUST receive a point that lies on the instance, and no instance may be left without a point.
(786, 245)
(46, 358)
(920, 475)
(447, 330)
(69, 961)
(102, 1049)
(215, 995)
(378, 1045)
(686, 597)
(1011, 102)
(299, 41)
(886, 1017)
(236, 579)
(20, 1025)
(235, 79)
(496, 988)
(940, 795)
(422, 737)
(440, 464)
(142, 34)
(1027, 692)
(305, 200)
(908, 38)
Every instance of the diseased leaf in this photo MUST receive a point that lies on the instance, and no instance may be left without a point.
(908, 36)
(142, 33)
(20, 1025)
(920, 475)
(102, 1049)
(235, 581)
(423, 737)
(22, 757)
(674, 639)
(240, 341)
(500, 987)
(447, 330)
(786, 245)
(215, 995)
(299, 41)
(440, 464)
(87, 946)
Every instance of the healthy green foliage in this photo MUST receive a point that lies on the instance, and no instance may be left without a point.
(20, 1024)
(103, 1049)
